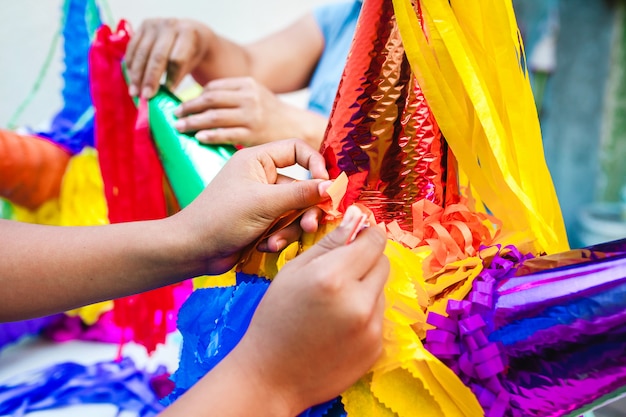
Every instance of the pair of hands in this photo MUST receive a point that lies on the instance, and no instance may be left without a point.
(319, 327)
(233, 108)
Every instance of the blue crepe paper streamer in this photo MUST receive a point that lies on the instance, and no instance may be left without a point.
(73, 126)
(117, 383)
(212, 321)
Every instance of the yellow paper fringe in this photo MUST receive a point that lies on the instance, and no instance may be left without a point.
(471, 67)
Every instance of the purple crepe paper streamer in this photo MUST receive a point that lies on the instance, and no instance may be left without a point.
(73, 328)
(14, 331)
(116, 383)
(461, 339)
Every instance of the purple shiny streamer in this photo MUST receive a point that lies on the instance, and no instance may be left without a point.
(117, 383)
(524, 296)
(553, 357)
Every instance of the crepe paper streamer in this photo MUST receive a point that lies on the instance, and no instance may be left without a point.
(212, 322)
(470, 63)
(73, 126)
(119, 384)
(132, 173)
(189, 165)
(407, 377)
(31, 169)
(67, 328)
(12, 332)
(133, 178)
(460, 338)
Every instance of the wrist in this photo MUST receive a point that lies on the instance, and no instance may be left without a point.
(309, 126)
(232, 389)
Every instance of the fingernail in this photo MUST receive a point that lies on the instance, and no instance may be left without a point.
(280, 245)
(147, 92)
(203, 136)
(179, 125)
(350, 216)
(178, 111)
(133, 91)
(323, 186)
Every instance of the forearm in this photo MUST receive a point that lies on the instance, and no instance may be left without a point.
(306, 125)
(49, 269)
(222, 58)
(231, 390)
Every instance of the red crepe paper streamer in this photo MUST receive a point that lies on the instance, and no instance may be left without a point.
(132, 174)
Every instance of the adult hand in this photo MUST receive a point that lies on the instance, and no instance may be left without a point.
(245, 198)
(165, 46)
(241, 111)
(319, 327)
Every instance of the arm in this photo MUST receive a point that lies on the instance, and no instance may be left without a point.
(47, 269)
(238, 105)
(282, 61)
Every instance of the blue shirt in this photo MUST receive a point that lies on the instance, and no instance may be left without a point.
(337, 22)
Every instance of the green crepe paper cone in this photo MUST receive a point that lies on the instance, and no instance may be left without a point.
(188, 164)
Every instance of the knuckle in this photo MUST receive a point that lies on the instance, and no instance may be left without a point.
(327, 284)
(169, 22)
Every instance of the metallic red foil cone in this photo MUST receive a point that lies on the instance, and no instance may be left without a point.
(381, 130)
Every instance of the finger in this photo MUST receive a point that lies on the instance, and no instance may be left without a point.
(131, 49)
(212, 118)
(137, 59)
(230, 136)
(281, 239)
(284, 153)
(278, 199)
(309, 222)
(181, 56)
(209, 100)
(372, 284)
(157, 62)
(229, 83)
(336, 238)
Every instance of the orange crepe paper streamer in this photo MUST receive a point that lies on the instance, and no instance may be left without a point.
(31, 169)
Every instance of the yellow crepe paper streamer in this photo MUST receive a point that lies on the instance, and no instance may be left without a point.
(407, 379)
(470, 66)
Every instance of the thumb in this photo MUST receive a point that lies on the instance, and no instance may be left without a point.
(340, 236)
(296, 195)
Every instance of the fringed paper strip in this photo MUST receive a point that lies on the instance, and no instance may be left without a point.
(132, 173)
(73, 126)
(470, 63)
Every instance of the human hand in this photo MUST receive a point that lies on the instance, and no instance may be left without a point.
(165, 46)
(319, 326)
(245, 198)
(242, 111)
